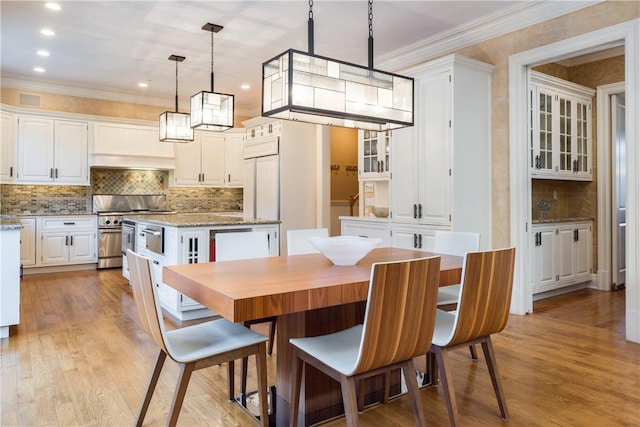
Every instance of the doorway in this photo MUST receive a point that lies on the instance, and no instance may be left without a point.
(520, 191)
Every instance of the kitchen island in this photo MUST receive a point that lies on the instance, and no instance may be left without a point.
(188, 238)
(9, 273)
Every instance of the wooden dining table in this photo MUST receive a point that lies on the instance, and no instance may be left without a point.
(309, 295)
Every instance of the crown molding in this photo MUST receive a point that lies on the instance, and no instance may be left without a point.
(482, 29)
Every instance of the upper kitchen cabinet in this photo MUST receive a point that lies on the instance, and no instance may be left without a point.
(441, 167)
(560, 130)
(7, 147)
(132, 144)
(52, 151)
(213, 159)
(201, 162)
(373, 155)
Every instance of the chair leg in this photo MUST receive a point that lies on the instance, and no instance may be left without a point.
(446, 380)
(414, 394)
(360, 393)
(474, 353)
(387, 386)
(492, 365)
(261, 364)
(181, 388)
(295, 387)
(231, 383)
(349, 398)
(243, 375)
(272, 335)
(151, 386)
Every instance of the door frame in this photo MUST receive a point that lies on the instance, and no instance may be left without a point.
(626, 34)
(605, 182)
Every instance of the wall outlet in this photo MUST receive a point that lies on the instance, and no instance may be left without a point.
(369, 201)
(368, 188)
(555, 195)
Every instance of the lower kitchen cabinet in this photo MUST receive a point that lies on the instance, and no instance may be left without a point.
(28, 242)
(562, 254)
(407, 237)
(372, 228)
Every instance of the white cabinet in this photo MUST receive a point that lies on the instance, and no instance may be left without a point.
(560, 133)
(52, 151)
(28, 242)
(130, 144)
(441, 167)
(7, 147)
(213, 159)
(201, 162)
(562, 254)
(371, 228)
(407, 237)
(373, 155)
(9, 279)
(67, 240)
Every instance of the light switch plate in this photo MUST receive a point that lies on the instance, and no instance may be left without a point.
(368, 188)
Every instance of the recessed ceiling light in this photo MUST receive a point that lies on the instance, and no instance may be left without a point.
(38, 70)
(245, 86)
(52, 6)
(47, 32)
(42, 52)
(143, 84)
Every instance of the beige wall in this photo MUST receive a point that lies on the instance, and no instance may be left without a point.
(497, 52)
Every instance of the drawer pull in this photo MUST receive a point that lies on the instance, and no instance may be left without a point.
(69, 223)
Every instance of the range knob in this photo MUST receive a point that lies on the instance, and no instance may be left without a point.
(108, 221)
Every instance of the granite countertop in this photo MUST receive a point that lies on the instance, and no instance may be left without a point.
(554, 220)
(9, 222)
(372, 218)
(49, 213)
(198, 219)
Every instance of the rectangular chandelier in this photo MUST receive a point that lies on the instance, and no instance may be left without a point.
(212, 111)
(175, 127)
(310, 88)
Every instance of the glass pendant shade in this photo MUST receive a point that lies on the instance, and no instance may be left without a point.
(310, 88)
(212, 111)
(175, 127)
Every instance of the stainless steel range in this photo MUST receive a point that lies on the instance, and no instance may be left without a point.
(111, 208)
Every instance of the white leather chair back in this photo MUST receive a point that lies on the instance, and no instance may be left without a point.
(298, 240)
(456, 242)
(242, 245)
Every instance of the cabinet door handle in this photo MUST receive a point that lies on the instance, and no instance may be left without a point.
(415, 241)
(415, 210)
(420, 241)
(70, 240)
(202, 176)
(156, 262)
(229, 178)
(576, 236)
(56, 172)
(11, 171)
(420, 210)
(66, 240)
(537, 162)
(51, 173)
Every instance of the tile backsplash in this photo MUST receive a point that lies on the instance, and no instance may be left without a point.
(47, 199)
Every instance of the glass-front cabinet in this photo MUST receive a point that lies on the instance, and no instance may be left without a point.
(560, 130)
(373, 154)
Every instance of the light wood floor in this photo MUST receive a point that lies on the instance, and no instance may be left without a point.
(78, 358)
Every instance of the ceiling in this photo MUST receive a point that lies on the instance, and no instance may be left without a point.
(114, 45)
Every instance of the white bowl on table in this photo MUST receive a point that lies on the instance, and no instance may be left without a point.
(344, 250)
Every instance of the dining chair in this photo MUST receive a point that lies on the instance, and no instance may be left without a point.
(483, 310)
(401, 295)
(298, 240)
(246, 245)
(192, 347)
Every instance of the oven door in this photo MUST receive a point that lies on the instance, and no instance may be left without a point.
(109, 247)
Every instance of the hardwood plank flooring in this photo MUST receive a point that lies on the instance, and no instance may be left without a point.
(79, 358)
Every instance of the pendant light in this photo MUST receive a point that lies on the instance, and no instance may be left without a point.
(311, 88)
(175, 126)
(211, 110)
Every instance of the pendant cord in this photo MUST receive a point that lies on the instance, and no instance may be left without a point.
(310, 28)
(371, 34)
(176, 86)
(211, 61)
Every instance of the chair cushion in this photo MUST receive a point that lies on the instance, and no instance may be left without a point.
(445, 322)
(205, 339)
(448, 294)
(338, 350)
